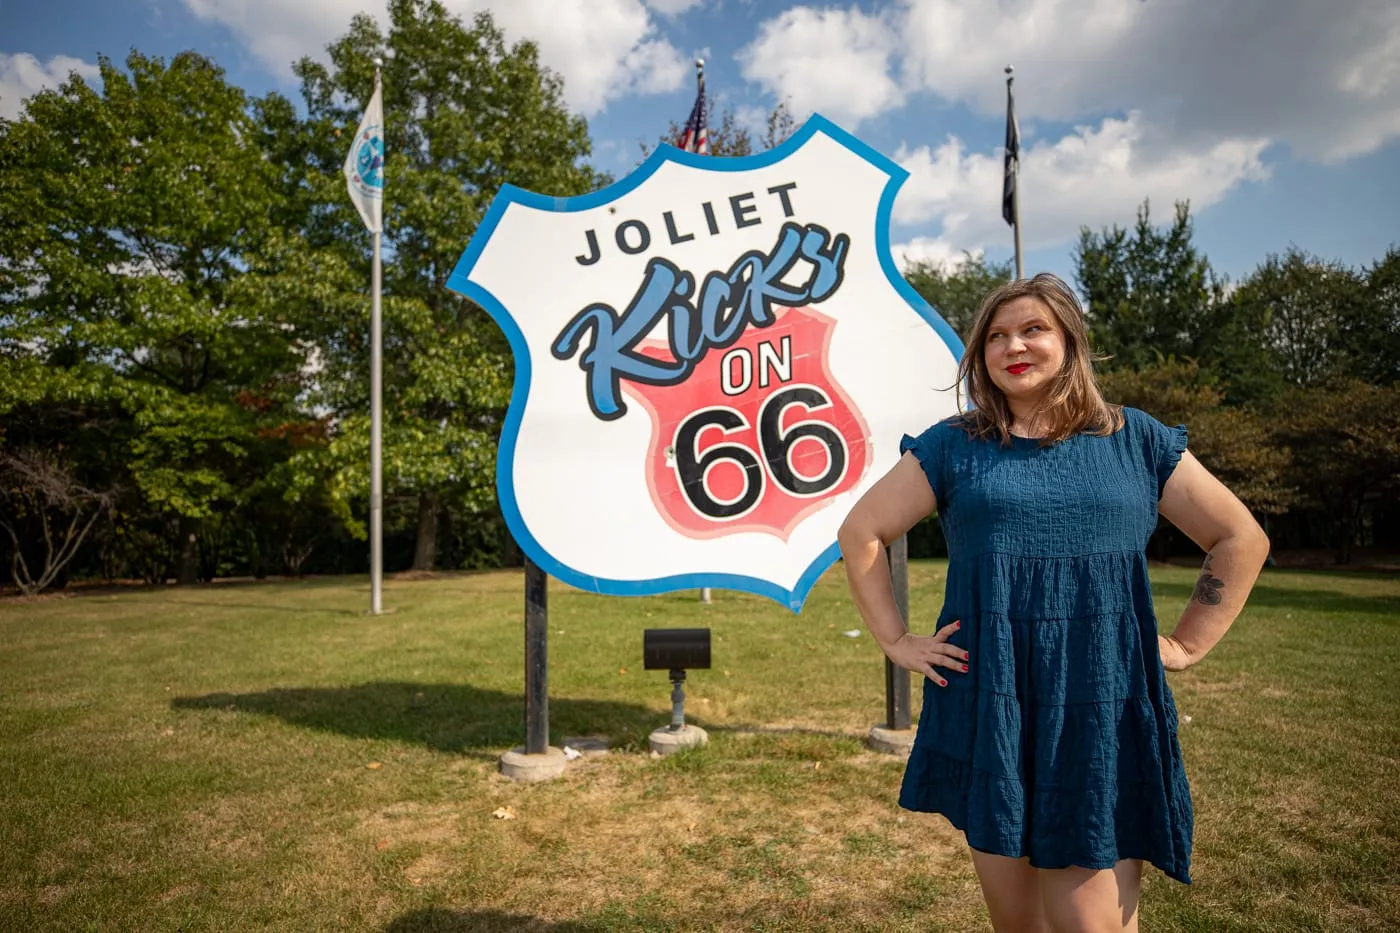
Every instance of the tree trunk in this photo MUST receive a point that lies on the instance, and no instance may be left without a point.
(189, 552)
(257, 554)
(425, 551)
(1351, 530)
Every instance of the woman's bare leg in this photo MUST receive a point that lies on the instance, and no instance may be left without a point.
(1012, 891)
(1083, 900)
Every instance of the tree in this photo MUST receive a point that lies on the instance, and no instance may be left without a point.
(779, 126)
(464, 114)
(1149, 294)
(1345, 441)
(730, 138)
(134, 219)
(727, 138)
(38, 490)
(1372, 338)
(1303, 310)
(957, 292)
(1233, 443)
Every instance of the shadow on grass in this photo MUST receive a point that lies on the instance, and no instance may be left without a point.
(456, 718)
(1301, 600)
(435, 920)
(652, 913)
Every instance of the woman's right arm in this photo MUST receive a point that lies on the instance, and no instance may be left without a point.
(887, 510)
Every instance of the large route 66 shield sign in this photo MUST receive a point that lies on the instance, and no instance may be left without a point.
(714, 358)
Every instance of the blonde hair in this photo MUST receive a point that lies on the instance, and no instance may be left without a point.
(1074, 403)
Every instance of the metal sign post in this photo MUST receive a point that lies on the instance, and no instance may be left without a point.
(895, 735)
(536, 659)
(897, 678)
(536, 760)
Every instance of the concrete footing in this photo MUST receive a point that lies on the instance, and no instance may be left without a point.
(528, 769)
(665, 741)
(891, 741)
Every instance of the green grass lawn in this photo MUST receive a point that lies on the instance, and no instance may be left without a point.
(268, 757)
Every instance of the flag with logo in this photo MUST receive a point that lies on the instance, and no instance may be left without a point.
(696, 136)
(1013, 161)
(364, 164)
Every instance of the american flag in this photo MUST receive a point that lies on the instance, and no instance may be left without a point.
(696, 136)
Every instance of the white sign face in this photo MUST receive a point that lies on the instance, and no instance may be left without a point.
(714, 358)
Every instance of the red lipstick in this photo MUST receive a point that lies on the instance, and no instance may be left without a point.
(1016, 369)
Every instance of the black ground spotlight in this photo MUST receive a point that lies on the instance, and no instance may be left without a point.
(676, 650)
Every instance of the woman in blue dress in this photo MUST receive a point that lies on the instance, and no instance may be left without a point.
(1048, 734)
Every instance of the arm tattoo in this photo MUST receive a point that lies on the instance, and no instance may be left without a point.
(1208, 587)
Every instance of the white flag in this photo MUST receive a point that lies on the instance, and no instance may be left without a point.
(364, 165)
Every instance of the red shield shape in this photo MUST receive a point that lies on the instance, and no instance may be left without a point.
(758, 437)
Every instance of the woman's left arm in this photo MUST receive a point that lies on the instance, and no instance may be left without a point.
(1236, 548)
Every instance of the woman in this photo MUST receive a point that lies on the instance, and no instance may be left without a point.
(1048, 732)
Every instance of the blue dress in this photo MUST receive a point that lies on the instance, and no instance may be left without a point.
(1060, 743)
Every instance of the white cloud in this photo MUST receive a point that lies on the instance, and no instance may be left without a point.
(1323, 78)
(674, 7)
(1095, 176)
(941, 178)
(1180, 100)
(833, 61)
(933, 250)
(604, 49)
(752, 118)
(22, 75)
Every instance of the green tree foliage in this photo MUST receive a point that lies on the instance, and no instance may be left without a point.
(135, 217)
(1301, 321)
(464, 114)
(1375, 342)
(1308, 317)
(1233, 443)
(1149, 293)
(956, 293)
(1345, 443)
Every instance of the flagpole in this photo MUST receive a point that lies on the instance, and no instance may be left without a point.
(1016, 188)
(700, 89)
(376, 420)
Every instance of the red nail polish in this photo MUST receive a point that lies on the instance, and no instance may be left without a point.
(964, 668)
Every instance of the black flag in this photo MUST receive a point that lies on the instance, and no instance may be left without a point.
(1013, 160)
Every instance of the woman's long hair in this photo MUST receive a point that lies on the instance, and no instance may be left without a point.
(1074, 403)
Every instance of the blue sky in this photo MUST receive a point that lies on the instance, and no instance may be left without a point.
(1278, 119)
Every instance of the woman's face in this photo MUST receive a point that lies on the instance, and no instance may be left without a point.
(1024, 350)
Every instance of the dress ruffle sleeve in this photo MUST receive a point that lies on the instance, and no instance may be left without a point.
(929, 449)
(1170, 444)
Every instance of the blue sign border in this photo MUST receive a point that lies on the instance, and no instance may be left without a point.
(459, 282)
